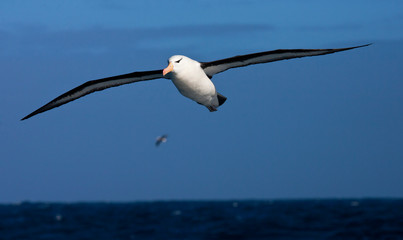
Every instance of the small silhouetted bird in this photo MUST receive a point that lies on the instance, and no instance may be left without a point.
(161, 139)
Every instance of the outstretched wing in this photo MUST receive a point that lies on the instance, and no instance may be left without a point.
(97, 85)
(214, 67)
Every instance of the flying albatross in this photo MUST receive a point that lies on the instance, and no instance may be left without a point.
(190, 77)
(161, 139)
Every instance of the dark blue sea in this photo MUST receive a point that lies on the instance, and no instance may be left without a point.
(277, 219)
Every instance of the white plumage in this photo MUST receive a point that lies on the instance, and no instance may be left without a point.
(192, 82)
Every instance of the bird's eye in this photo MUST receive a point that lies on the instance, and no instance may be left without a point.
(178, 60)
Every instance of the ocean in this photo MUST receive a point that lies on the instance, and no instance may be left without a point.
(260, 219)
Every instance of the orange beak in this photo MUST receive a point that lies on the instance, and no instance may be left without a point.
(168, 69)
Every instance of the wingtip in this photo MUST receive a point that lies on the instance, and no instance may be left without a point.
(350, 48)
(26, 117)
(32, 114)
(368, 44)
(365, 45)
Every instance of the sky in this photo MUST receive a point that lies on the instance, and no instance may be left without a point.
(320, 127)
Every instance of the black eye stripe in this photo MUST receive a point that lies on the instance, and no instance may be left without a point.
(178, 60)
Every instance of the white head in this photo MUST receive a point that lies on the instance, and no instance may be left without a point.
(178, 64)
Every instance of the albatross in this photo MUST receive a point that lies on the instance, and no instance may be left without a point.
(190, 77)
(161, 139)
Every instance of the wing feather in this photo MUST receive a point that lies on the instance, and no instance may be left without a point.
(97, 85)
(214, 67)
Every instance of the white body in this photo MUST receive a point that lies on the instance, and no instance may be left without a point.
(192, 82)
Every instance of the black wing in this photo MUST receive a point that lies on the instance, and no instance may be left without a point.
(97, 85)
(214, 67)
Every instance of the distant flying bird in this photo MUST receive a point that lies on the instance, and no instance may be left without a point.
(161, 139)
(190, 77)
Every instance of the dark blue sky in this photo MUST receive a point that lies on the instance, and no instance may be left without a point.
(327, 126)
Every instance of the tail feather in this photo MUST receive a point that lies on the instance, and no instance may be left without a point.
(221, 99)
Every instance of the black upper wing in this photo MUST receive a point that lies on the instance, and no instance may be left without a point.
(97, 85)
(214, 67)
